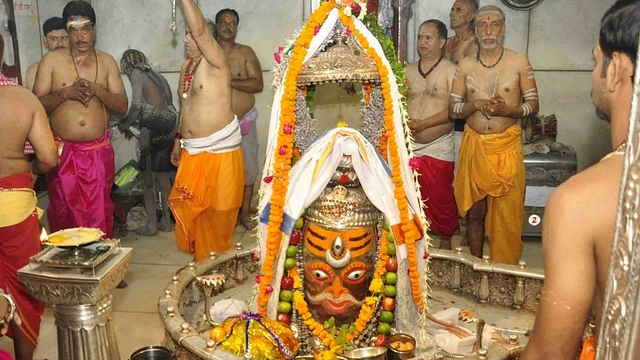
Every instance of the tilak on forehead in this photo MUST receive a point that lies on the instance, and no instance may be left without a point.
(78, 21)
(490, 13)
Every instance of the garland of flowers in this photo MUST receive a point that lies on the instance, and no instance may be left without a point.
(409, 230)
(284, 151)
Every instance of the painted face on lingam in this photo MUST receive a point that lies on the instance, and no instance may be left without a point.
(340, 240)
(338, 270)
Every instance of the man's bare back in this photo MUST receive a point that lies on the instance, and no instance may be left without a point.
(23, 118)
(75, 118)
(481, 82)
(429, 96)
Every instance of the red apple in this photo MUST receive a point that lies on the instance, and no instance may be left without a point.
(388, 303)
(286, 283)
(284, 318)
(381, 340)
(295, 237)
(392, 264)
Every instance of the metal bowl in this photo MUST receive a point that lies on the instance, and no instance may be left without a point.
(367, 353)
(395, 354)
(152, 353)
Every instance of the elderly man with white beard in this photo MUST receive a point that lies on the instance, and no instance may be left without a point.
(488, 91)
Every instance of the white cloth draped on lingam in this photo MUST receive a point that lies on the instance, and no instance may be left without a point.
(310, 176)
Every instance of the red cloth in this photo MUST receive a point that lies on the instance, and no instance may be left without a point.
(17, 244)
(436, 179)
(80, 187)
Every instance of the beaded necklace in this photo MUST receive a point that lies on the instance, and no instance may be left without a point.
(489, 66)
(423, 74)
(189, 72)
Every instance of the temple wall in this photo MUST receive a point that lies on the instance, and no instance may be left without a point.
(558, 37)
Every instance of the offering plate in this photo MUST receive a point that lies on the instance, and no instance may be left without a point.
(74, 238)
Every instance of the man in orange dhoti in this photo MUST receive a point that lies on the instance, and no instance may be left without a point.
(207, 193)
(22, 118)
(491, 167)
(487, 91)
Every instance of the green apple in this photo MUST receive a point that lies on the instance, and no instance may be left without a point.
(284, 307)
(390, 291)
(386, 317)
(390, 278)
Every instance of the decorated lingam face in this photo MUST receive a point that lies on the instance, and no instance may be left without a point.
(338, 270)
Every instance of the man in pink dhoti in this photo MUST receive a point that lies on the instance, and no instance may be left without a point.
(22, 118)
(79, 88)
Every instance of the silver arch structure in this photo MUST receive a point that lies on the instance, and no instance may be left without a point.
(619, 334)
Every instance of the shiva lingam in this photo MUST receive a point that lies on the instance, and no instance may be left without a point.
(76, 274)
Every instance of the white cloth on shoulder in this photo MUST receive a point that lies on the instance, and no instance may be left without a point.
(224, 140)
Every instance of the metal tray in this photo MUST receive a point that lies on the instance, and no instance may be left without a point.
(84, 258)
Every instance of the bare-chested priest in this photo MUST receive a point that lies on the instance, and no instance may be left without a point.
(79, 88)
(428, 102)
(463, 43)
(207, 193)
(246, 81)
(489, 186)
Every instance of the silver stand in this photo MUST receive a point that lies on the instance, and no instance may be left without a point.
(81, 301)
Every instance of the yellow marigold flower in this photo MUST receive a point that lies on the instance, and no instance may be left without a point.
(371, 301)
(376, 286)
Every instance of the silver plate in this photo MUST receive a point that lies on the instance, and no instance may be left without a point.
(85, 258)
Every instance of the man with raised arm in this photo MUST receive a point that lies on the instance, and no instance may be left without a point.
(207, 193)
(22, 118)
(577, 249)
(487, 91)
(430, 81)
(246, 81)
(79, 88)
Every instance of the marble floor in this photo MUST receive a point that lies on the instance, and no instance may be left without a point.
(155, 260)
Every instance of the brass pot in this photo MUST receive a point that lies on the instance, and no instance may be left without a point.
(397, 354)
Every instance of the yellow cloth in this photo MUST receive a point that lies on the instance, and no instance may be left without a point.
(17, 205)
(205, 201)
(492, 166)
